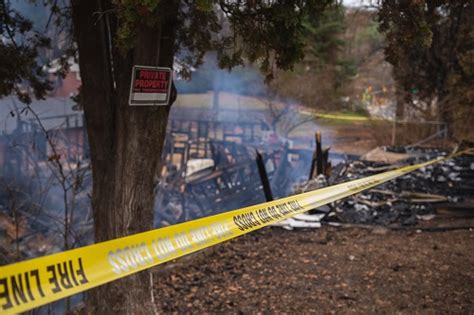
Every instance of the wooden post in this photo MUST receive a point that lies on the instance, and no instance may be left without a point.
(317, 162)
(263, 177)
(319, 154)
(313, 165)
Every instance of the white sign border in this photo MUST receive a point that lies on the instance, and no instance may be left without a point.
(156, 103)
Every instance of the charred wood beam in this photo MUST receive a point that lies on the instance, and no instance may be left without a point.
(263, 177)
(317, 162)
(313, 166)
(319, 154)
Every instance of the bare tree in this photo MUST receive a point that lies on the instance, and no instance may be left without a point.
(282, 117)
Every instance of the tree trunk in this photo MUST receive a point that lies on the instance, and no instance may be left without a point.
(125, 141)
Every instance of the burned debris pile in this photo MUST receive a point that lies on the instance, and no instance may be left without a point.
(208, 179)
(31, 225)
(420, 195)
(209, 167)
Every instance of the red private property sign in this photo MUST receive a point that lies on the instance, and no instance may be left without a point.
(150, 86)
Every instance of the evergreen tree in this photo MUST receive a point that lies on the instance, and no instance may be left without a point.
(431, 47)
(324, 69)
(126, 142)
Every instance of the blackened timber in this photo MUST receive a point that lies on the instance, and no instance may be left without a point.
(326, 162)
(316, 159)
(319, 154)
(263, 177)
(313, 165)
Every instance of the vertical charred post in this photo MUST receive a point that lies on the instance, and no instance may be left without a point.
(319, 154)
(264, 177)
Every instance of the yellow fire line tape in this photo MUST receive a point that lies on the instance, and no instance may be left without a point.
(32, 283)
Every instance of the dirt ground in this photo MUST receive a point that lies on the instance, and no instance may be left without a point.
(356, 270)
(328, 270)
(355, 139)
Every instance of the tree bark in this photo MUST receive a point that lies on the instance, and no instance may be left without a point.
(125, 141)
